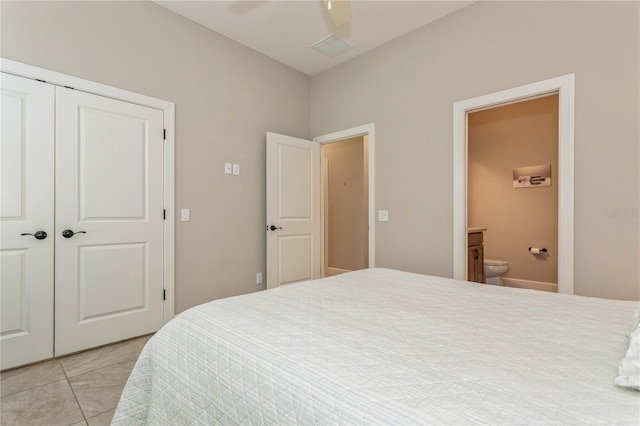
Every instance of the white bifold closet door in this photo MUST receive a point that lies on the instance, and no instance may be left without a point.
(106, 244)
(109, 195)
(26, 207)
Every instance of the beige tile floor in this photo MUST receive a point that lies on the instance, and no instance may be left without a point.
(80, 389)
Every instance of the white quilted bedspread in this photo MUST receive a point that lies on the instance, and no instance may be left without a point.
(386, 347)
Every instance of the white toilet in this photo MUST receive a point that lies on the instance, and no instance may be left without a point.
(494, 270)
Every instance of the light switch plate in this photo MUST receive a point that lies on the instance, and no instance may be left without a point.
(185, 215)
(383, 215)
(236, 169)
(227, 168)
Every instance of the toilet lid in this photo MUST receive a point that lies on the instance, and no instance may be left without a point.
(493, 262)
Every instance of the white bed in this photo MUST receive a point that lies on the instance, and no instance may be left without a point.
(380, 346)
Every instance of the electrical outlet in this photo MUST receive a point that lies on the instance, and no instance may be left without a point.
(259, 278)
(383, 215)
(236, 169)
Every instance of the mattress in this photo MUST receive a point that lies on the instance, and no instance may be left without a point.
(380, 346)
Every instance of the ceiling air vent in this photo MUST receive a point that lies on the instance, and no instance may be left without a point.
(332, 46)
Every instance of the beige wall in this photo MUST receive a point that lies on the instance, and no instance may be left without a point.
(346, 204)
(499, 140)
(407, 88)
(227, 96)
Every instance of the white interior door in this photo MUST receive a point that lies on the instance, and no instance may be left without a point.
(293, 210)
(109, 200)
(26, 207)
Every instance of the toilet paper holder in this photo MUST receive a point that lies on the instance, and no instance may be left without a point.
(536, 250)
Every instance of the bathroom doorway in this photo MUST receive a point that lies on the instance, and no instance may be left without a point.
(564, 86)
(512, 191)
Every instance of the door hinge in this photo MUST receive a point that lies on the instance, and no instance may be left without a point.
(164, 134)
(164, 214)
(164, 294)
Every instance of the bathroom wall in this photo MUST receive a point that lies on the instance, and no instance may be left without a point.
(500, 139)
(346, 224)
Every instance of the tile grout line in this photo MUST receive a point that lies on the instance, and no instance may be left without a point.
(31, 387)
(73, 393)
(66, 375)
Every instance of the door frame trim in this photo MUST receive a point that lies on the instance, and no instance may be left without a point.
(369, 130)
(565, 87)
(168, 108)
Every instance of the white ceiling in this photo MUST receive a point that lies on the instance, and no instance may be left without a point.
(286, 30)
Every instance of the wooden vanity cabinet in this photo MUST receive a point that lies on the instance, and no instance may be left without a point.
(475, 257)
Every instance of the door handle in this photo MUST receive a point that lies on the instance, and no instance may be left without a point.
(68, 233)
(273, 227)
(39, 235)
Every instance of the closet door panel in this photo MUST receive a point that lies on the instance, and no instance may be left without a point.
(26, 206)
(112, 166)
(109, 200)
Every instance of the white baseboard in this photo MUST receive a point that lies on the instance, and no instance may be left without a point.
(533, 285)
(335, 271)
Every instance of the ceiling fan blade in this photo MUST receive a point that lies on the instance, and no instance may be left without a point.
(339, 11)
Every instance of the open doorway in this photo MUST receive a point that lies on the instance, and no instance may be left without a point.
(512, 194)
(294, 208)
(565, 87)
(353, 164)
(345, 182)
